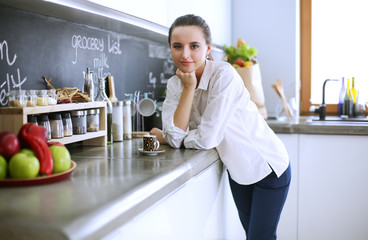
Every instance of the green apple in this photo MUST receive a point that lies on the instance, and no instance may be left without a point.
(3, 167)
(28, 152)
(61, 157)
(22, 165)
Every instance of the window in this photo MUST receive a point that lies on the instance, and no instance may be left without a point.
(333, 45)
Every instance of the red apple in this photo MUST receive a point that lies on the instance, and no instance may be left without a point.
(9, 144)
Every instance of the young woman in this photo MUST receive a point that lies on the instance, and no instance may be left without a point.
(207, 106)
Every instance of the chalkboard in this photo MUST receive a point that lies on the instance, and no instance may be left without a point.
(33, 45)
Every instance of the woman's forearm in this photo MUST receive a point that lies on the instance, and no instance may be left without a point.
(182, 113)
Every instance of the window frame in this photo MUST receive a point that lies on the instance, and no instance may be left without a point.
(305, 60)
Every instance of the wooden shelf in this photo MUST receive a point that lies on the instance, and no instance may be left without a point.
(12, 120)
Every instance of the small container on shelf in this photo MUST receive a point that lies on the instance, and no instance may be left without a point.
(56, 124)
(17, 98)
(67, 124)
(93, 120)
(31, 98)
(79, 122)
(43, 120)
(52, 97)
(42, 98)
(32, 119)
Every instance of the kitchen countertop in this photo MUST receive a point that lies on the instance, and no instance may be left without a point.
(109, 187)
(311, 125)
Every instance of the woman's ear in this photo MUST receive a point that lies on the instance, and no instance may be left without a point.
(209, 47)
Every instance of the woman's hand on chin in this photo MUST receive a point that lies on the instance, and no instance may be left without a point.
(188, 79)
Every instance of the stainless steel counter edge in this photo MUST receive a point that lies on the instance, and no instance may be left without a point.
(121, 210)
(305, 126)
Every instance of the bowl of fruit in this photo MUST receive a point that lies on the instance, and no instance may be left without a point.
(29, 159)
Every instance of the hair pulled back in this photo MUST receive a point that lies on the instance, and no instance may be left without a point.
(192, 20)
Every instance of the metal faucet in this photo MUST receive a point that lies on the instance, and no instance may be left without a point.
(322, 108)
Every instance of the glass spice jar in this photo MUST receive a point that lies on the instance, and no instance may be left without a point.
(43, 120)
(93, 120)
(67, 124)
(42, 98)
(52, 97)
(17, 98)
(32, 119)
(56, 124)
(79, 122)
(31, 98)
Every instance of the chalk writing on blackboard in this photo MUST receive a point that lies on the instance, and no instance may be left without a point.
(87, 43)
(16, 81)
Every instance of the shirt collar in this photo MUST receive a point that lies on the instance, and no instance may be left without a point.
(206, 75)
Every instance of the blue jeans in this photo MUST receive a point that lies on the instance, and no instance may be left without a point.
(260, 204)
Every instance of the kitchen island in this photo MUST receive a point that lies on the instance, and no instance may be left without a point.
(110, 186)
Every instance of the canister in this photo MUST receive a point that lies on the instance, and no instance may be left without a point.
(117, 121)
(127, 119)
(79, 122)
(93, 120)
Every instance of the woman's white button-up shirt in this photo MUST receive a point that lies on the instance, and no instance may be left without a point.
(224, 117)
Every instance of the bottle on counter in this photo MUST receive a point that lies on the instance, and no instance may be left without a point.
(348, 101)
(341, 99)
(354, 93)
(102, 97)
(88, 84)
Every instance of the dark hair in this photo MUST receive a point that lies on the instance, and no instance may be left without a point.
(192, 20)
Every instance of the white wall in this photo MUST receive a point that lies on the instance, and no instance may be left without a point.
(273, 28)
(217, 13)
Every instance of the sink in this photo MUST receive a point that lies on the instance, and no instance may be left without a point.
(332, 120)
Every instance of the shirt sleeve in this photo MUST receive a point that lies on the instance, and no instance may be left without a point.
(226, 92)
(172, 134)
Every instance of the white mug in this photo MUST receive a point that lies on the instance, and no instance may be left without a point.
(146, 107)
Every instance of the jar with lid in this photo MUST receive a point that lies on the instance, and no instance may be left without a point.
(117, 121)
(101, 96)
(17, 98)
(67, 124)
(42, 98)
(56, 124)
(31, 98)
(89, 87)
(43, 120)
(32, 119)
(79, 122)
(127, 119)
(52, 97)
(93, 120)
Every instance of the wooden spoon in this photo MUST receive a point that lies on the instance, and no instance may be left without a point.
(280, 91)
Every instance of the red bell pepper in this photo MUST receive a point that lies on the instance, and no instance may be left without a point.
(32, 135)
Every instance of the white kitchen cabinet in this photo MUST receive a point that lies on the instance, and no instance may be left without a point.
(198, 211)
(288, 225)
(332, 187)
